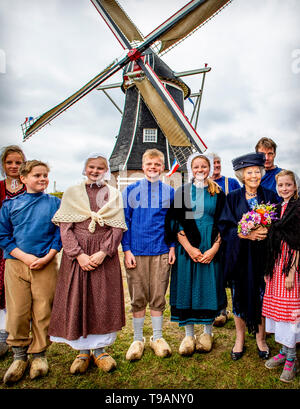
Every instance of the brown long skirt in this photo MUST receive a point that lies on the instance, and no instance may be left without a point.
(89, 302)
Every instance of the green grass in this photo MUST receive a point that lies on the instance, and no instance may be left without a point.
(214, 370)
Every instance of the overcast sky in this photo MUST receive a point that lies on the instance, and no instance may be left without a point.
(50, 49)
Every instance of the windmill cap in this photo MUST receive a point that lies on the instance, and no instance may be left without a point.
(250, 159)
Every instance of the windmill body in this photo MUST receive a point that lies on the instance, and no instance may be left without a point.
(139, 129)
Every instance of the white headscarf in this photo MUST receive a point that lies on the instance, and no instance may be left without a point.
(106, 175)
(194, 155)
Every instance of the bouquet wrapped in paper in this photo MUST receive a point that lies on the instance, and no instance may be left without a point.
(261, 215)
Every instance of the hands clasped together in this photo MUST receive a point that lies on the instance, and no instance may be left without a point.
(198, 257)
(32, 261)
(195, 254)
(35, 263)
(89, 263)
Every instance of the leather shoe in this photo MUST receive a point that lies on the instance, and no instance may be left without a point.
(263, 354)
(237, 355)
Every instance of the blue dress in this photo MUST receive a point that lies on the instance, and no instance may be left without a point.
(197, 293)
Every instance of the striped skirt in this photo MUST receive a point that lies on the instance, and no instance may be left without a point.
(280, 303)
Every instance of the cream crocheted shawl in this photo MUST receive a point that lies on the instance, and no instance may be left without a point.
(75, 207)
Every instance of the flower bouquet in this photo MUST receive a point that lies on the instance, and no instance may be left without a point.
(261, 215)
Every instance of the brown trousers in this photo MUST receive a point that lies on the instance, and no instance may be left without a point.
(148, 282)
(29, 297)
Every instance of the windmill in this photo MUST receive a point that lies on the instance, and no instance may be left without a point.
(139, 129)
(149, 83)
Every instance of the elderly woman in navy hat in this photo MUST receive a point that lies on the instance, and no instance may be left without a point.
(244, 256)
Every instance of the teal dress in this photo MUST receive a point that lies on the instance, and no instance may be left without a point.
(197, 293)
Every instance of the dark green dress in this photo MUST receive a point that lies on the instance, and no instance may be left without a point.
(197, 293)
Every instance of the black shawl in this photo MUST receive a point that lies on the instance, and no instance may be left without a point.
(284, 230)
(177, 214)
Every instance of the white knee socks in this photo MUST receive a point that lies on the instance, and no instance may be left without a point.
(138, 326)
(157, 323)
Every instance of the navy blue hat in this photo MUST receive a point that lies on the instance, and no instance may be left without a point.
(250, 159)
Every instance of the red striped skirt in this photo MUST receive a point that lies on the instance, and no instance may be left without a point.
(279, 303)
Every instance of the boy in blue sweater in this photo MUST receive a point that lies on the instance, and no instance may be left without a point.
(146, 255)
(30, 242)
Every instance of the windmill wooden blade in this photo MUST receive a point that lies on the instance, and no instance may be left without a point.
(58, 109)
(133, 54)
(170, 118)
(118, 21)
(189, 23)
(162, 114)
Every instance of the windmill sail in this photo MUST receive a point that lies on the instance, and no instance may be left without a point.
(166, 121)
(58, 109)
(108, 71)
(113, 7)
(189, 23)
(179, 143)
(172, 121)
(111, 10)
